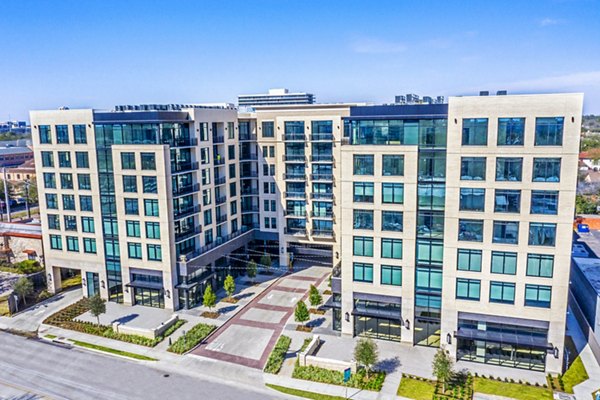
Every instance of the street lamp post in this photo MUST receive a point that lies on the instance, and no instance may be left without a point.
(27, 198)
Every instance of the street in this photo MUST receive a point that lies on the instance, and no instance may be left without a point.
(30, 367)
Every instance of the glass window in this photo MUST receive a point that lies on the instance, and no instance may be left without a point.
(81, 159)
(542, 234)
(131, 207)
(72, 243)
(68, 202)
(47, 159)
(362, 272)
(391, 275)
(391, 248)
(506, 232)
(79, 134)
(363, 219)
(390, 132)
(268, 129)
(509, 169)
(85, 203)
(84, 182)
(70, 223)
(129, 184)
(51, 201)
(472, 199)
(470, 230)
(134, 250)
(89, 245)
(151, 207)
(53, 221)
(541, 265)
(472, 169)
(56, 242)
(432, 196)
(49, 180)
(502, 292)
(432, 166)
(511, 131)
(364, 164)
(207, 217)
(508, 201)
(127, 160)
(546, 169)
(363, 192)
(393, 165)
(294, 127)
(322, 127)
(429, 278)
(504, 263)
(153, 230)
(363, 246)
(148, 161)
(66, 181)
(469, 260)
(149, 183)
(62, 134)
(549, 131)
(45, 135)
(391, 221)
(475, 131)
(544, 202)
(392, 193)
(64, 159)
(538, 296)
(154, 252)
(468, 289)
(133, 228)
(430, 251)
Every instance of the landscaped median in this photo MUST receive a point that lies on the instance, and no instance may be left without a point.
(109, 350)
(358, 380)
(304, 393)
(277, 356)
(191, 338)
(65, 318)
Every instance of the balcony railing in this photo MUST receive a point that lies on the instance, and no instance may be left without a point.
(322, 233)
(249, 209)
(182, 142)
(294, 177)
(220, 180)
(218, 139)
(322, 196)
(218, 242)
(322, 177)
(294, 157)
(298, 137)
(221, 199)
(249, 192)
(249, 174)
(221, 218)
(328, 214)
(322, 158)
(248, 137)
(295, 231)
(180, 236)
(186, 212)
(248, 157)
(295, 213)
(183, 190)
(317, 137)
(184, 167)
(219, 161)
(295, 195)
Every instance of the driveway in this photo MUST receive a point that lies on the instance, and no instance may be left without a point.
(248, 338)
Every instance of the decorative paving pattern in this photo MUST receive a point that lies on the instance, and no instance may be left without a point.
(249, 336)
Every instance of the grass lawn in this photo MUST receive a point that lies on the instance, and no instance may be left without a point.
(4, 306)
(415, 389)
(304, 394)
(513, 390)
(574, 375)
(50, 336)
(71, 282)
(112, 351)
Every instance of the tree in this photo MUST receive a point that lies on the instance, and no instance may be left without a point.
(366, 354)
(584, 205)
(97, 306)
(210, 298)
(23, 288)
(301, 313)
(229, 285)
(251, 270)
(265, 260)
(314, 296)
(442, 367)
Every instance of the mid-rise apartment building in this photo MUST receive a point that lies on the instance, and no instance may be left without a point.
(275, 97)
(445, 224)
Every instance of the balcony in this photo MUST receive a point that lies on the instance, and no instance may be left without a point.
(249, 209)
(322, 196)
(247, 137)
(183, 190)
(294, 158)
(182, 142)
(295, 231)
(294, 137)
(183, 167)
(249, 174)
(219, 160)
(295, 213)
(294, 177)
(249, 192)
(295, 195)
(221, 218)
(322, 177)
(220, 180)
(324, 233)
(322, 158)
(322, 137)
(221, 199)
(218, 139)
(186, 212)
(188, 233)
(328, 214)
(248, 157)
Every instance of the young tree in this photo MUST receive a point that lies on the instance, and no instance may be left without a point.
(301, 313)
(229, 285)
(314, 296)
(366, 354)
(442, 367)
(23, 288)
(265, 260)
(210, 298)
(251, 270)
(97, 306)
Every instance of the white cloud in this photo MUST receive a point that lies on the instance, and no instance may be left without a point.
(581, 81)
(549, 22)
(377, 46)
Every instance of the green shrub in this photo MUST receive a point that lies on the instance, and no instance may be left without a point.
(277, 356)
(358, 380)
(191, 338)
(27, 267)
(43, 295)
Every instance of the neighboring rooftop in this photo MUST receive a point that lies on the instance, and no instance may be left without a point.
(14, 150)
(589, 266)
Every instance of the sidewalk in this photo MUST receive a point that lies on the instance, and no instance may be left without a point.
(323, 388)
(584, 390)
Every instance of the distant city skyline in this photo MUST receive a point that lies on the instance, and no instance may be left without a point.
(99, 54)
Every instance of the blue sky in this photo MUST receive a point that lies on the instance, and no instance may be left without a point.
(97, 54)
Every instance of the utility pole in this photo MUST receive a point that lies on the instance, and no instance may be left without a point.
(6, 200)
(27, 198)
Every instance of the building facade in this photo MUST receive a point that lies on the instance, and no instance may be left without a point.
(275, 97)
(445, 224)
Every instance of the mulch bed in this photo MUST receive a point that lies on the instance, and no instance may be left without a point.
(210, 314)
(231, 300)
(302, 328)
(316, 311)
(327, 292)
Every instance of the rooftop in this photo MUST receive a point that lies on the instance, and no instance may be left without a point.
(589, 266)
(14, 150)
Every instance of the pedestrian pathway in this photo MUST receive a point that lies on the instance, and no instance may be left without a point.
(584, 390)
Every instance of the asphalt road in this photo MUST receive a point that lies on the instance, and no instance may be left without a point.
(41, 370)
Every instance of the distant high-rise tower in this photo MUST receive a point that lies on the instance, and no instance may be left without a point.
(275, 97)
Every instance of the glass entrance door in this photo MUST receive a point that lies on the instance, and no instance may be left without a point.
(92, 283)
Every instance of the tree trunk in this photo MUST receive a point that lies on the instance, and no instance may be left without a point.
(24, 300)
(98, 319)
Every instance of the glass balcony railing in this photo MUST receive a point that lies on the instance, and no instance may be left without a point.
(186, 234)
(183, 167)
(322, 177)
(322, 157)
(295, 213)
(295, 195)
(294, 177)
(295, 231)
(218, 139)
(294, 157)
(183, 190)
(186, 212)
(318, 137)
(328, 233)
(220, 180)
(322, 196)
(296, 137)
(221, 199)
